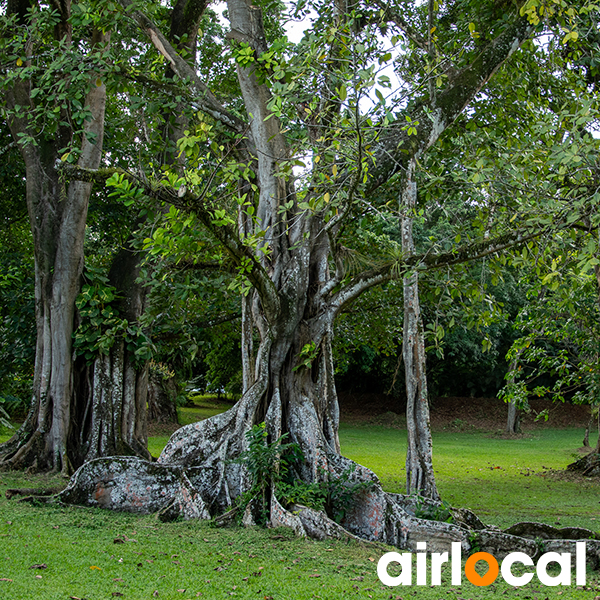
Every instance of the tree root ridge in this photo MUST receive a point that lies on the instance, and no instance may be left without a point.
(588, 465)
(177, 491)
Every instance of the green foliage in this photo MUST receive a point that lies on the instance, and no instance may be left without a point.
(267, 463)
(342, 494)
(474, 542)
(101, 326)
(306, 356)
(313, 495)
(433, 512)
(59, 73)
(17, 299)
(271, 467)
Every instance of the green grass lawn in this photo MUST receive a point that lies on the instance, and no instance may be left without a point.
(95, 554)
(467, 473)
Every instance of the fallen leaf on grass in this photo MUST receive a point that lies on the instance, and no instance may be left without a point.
(5, 579)
(314, 575)
(94, 567)
(38, 576)
(40, 566)
(117, 594)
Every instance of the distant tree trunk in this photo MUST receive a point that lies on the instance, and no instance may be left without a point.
(161, 400)
(513, 421)
(420, 478)
(586, 435)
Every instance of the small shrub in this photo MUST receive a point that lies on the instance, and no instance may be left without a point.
(270, 467)
(266, 464)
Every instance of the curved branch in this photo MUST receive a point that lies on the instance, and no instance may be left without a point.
(428, 262)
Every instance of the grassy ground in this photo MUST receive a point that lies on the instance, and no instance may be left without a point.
(503, 480)
(57, 553)
(93, 554)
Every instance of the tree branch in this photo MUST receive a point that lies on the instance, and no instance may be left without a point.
(226, 234)
(434, 116)
(428, 262)
(206, 99)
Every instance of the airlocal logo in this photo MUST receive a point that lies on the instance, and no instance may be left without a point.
(439, 558)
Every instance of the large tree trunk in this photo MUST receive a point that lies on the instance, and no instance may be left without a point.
(419, 466)
(118, 393)
(57, 214)
(81, 411)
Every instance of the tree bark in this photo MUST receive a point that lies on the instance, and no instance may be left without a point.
(161, 399)
(513, 420)
(420, 478)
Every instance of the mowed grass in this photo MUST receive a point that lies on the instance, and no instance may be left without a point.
(95, 554)
(57, 553)
(502, 480)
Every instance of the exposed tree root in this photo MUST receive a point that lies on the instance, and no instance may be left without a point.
(172, 491)
(32, 492)
(588, 465)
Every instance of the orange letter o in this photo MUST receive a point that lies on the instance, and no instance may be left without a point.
(472, 574)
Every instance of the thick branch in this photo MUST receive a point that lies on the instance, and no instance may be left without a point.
(226, 234)
(429, 262)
